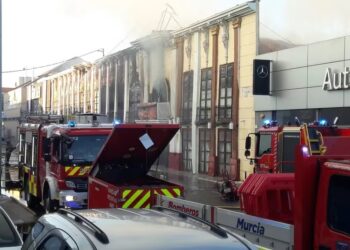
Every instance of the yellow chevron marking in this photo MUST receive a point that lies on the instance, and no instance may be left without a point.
(132, 198)
(66, 169)
(84, 170)
(177, 191)
(167, 193)
(143, 200)
(125, 193)
(75, 169)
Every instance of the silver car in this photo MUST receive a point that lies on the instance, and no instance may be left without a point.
(112, 228)
(10, 239)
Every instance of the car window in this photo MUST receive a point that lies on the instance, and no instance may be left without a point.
(54, 243)
(8, 235)
(35, 232)
(37, 229)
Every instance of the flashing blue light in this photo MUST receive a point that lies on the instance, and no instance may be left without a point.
(73, 205)
(267, 122)
(71, 124)
(116, 122)
(323, 122)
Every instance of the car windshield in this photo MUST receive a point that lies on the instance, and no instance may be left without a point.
(82, 149)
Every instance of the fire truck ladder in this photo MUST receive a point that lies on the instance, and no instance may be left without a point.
(315, 141)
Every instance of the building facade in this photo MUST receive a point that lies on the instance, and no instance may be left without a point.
(214, 97)
(310, 82)
(199, 76)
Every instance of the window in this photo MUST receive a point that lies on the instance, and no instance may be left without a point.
(35, 232)
(264, 145)
(204, 140)
(82, 149)
(54, 243)
(225, 150)
(205, 96)
(187, 148)
(286, 151)
(225, 92)
(187, 97)
(8, 236)
(330, 114)
(338, 206)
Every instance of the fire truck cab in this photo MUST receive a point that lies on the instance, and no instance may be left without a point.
(55, 160)
(274, 149)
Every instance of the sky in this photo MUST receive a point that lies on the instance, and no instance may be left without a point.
(42, 32)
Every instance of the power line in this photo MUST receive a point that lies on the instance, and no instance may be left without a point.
(52, 64)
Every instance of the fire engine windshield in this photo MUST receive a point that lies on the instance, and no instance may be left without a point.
(82, 149)
(264, 146)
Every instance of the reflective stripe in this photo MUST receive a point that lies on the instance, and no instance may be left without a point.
(125, 193)
(177, 191)
(84, 170)
(132, 198)
(167, 193)
(75, 169)
(144, 199)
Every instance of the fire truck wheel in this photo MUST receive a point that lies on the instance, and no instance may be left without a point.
(49, 204)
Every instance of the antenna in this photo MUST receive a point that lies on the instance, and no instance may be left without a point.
(167, 15)
(335, 121)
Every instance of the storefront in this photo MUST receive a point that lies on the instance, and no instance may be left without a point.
(311, 82)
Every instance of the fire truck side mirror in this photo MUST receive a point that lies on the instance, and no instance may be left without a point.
(248, 143)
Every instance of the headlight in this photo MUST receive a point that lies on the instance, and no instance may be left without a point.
(70, 184)
(70, 198)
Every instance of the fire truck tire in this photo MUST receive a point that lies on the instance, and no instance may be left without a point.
(49, 204)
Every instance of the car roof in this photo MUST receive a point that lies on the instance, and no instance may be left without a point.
(152, 229)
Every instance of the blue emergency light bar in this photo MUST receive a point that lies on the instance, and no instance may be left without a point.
(71, 124)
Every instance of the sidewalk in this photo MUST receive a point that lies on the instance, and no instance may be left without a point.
(198, 187)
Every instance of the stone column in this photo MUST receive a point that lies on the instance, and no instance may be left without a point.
(212, 168)
(234, 161)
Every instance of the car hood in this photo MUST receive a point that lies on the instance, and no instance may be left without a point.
(152, 229)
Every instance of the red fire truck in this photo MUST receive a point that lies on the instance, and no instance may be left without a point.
(56, 159)
(275, 144)
(118, 177)
(308, 209)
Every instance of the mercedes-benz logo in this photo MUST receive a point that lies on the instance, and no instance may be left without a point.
(262, 71)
